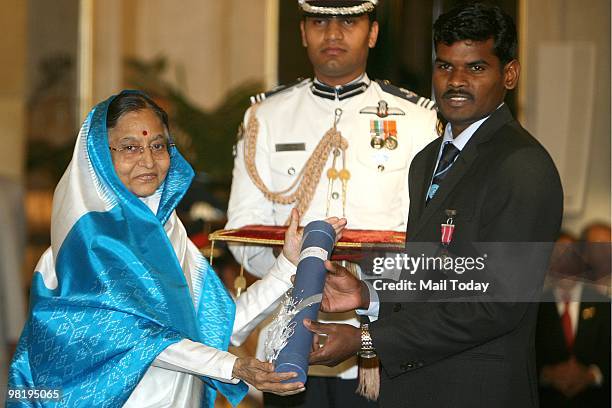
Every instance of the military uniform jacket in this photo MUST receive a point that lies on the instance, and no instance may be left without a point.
(291, 124)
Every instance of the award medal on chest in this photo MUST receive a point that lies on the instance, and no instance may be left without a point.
(446, 231)
(383, 134)
(377, 140)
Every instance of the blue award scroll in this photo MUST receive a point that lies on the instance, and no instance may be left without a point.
(317, 244)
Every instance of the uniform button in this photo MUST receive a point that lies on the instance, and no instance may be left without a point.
(397, 307)
(409, 365)
(381, 168)
(291, 171)
(335, 195)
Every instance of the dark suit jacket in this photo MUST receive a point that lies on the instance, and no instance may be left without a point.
(591, 346)
(505, 188)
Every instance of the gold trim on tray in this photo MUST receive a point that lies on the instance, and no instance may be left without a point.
(225, 235)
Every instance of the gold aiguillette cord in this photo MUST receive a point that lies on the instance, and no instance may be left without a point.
(332, 173)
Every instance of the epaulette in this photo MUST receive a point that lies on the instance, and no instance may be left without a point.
(264, 95)
(406, 94)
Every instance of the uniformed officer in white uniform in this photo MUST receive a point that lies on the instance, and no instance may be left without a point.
(339, 144)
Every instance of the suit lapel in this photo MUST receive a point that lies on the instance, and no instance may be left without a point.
(586, 315)
(423, 172)
(463, 163)
(455, 174)
(548, 309)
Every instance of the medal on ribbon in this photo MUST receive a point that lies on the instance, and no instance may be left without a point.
(446, 231)
(391, 132)
(384, 134)
(376, 131)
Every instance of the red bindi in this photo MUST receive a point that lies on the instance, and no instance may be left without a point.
(144, 133)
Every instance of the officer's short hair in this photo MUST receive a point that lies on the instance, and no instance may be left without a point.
(373, 16)
(478, 22)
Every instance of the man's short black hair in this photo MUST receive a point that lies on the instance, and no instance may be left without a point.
(478, 22)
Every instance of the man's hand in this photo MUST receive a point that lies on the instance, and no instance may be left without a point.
(293, 236)
(262, 376)
(569, 377)
(343, 341)
(343, 291)
(580, 377)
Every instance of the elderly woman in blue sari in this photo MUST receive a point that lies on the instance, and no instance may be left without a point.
(124, 309)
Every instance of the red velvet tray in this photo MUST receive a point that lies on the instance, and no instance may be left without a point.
(352, 239)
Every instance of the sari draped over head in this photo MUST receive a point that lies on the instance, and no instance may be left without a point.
(110, 293)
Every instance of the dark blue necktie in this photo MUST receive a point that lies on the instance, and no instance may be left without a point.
(449, 154)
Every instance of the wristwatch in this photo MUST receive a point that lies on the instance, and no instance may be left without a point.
(367, 349)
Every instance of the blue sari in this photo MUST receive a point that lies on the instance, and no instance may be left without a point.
(110, 293)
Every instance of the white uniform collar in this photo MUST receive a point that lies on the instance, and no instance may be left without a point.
(340, 92)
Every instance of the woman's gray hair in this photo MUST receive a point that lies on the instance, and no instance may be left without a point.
(127, 102)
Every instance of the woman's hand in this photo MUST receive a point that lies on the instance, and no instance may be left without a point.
(293, 236)
(262, 376)
(338, 225)
(293, 239)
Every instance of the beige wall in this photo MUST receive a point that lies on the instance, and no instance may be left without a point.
(51, 28)
(108, 49)
(211, 45)
(13, 47)
(585, 24)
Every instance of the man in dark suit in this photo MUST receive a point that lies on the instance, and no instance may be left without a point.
(500, 188)
(572, 336)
